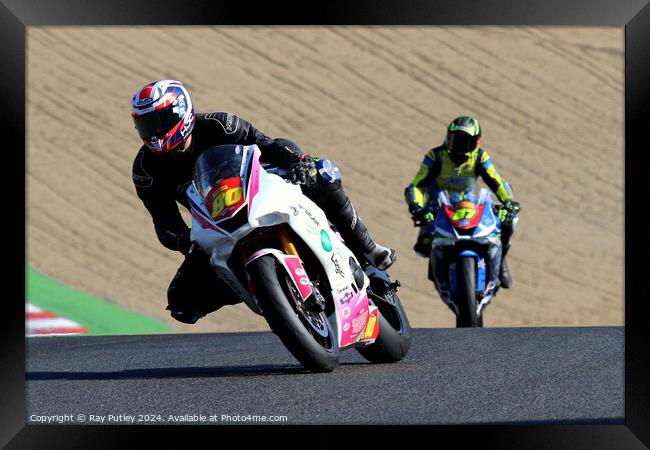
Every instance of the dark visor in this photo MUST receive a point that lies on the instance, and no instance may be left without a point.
(156, 123)
(460, 142)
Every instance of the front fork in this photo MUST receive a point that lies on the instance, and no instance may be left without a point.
(294, 265)
(312, 299)
(442, 271)
(481, 272)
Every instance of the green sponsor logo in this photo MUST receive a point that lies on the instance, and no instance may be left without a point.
(325, 241)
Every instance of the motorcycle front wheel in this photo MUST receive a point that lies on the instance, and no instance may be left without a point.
(466, 293)
(307, 335)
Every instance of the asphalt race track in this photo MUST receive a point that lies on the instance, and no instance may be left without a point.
(450, 376)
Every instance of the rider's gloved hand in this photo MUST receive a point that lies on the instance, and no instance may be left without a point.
(510, 209)
(302, 170)
(512, 206)
(182, 240)
(421, 216)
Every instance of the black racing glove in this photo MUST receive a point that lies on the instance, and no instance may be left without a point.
(302, 170)
(421, 216)
(181, 240)
(512, 206)
(511, 209)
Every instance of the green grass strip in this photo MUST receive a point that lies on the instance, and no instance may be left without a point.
(99, 316)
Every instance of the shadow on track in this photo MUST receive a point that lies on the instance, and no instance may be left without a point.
(170, 372)
(177, 372)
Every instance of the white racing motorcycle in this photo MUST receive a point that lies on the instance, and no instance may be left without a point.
(276, 249)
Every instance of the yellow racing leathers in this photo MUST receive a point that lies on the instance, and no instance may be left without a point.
(437, 172)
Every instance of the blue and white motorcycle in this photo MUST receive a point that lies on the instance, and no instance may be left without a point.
(465, 256)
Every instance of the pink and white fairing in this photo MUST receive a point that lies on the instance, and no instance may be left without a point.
(271, 200)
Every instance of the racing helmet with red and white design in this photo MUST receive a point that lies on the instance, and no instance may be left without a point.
(163, 115)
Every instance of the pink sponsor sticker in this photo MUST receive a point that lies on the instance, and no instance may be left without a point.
(359, 322)
(254, 182)
(298, 274)
(353, 315)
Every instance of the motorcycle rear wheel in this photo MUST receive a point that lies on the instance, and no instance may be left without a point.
(307, 335)
(394, 339)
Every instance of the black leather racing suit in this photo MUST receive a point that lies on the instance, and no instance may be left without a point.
(161, 180)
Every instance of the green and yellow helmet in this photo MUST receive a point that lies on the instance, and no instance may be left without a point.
(463, 135)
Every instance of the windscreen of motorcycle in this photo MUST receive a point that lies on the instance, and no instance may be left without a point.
(216, 178)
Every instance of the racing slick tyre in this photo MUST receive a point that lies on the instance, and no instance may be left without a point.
(307, 335)
(466, 293)
(394, 339)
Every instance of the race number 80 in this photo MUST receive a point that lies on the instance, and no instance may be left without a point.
(225, 198)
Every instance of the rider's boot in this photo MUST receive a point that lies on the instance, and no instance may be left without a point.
(330, 196)
(504, 273)
(185, 314)
(327, 192)
(356, 236)
(196, 290)
(181, 305)
(422, 246)
(507, 230)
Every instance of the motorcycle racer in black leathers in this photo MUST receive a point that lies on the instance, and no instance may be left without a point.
(174, 136)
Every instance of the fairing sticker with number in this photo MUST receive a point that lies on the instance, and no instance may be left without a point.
(225, 198)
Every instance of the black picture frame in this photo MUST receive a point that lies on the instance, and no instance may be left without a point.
(634, 15)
